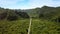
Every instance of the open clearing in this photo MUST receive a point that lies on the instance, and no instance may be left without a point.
(38, 26)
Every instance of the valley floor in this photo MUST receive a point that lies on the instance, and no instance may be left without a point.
(38, 26)
(44, 27)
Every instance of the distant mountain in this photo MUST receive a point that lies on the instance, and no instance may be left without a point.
(44, 12)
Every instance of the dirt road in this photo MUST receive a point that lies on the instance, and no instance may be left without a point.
(29, 26)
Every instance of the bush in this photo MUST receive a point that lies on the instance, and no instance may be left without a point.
(11, 18)
(3, 15)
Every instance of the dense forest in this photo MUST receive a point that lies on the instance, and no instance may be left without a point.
(44, 12)
(45, 20)
(11, 14)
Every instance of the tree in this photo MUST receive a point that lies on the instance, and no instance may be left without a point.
(23, 14)
(11, 15)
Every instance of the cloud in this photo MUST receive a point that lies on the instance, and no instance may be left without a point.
(25, 4)
(39, 3)
(9, 2)
(55, 0)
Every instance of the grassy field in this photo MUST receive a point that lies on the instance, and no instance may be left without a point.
(44, 27)
(21, 27)
(14, 27)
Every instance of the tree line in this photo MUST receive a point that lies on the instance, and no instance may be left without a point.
(45, 12)
(11, 14)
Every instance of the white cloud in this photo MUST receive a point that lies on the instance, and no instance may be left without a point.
(9, 2)
(39, 3)
(30, 4)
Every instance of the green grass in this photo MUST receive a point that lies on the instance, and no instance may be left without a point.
(14, 27)
(38, 26)
(44, 27)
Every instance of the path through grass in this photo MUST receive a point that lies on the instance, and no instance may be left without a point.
(38, 26)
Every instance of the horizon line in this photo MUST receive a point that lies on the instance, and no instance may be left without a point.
(28, 8)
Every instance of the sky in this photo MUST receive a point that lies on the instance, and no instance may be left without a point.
(28, 4)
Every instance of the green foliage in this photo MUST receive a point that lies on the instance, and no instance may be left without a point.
(23, 14)
(49, 13)
(14, 27)
(48, 22)
(40, 26)
(3, 15)
(11, 14)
